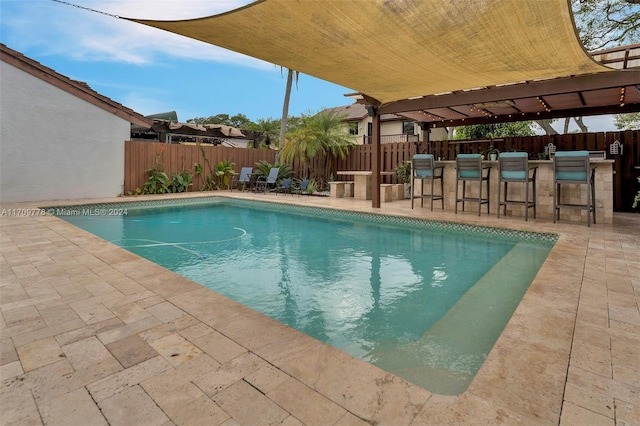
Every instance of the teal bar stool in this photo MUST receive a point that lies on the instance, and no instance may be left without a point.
(469, 168)
(423, 167)
(514, 168)
(572, 167)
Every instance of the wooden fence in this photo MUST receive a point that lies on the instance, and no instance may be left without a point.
(140, 156)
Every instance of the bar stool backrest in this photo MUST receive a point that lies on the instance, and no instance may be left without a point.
(469, 166)
(423, 165)
(571, 167)
(514, 166)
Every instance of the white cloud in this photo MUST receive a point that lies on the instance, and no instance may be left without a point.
(600, 123)
(60, 29)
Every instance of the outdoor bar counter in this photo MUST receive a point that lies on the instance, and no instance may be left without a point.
(544, 186)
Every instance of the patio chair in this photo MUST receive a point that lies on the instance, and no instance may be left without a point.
(284, 187)
(469, 168)
(244, 178)
(514, 167)
(264, 182)
(424, 168)
(302, 188)
(572, 167)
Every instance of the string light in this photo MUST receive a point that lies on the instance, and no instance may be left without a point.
(622, 96)
(544, 104)
(482, 110)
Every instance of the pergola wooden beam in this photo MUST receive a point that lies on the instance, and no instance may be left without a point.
(556, 86)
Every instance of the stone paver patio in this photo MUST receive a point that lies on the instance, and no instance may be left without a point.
(91, 334)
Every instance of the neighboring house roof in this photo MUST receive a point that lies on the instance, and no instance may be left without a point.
(169, 115)
(353, 112)
(358, 112)
(219, 130)
(76, 88)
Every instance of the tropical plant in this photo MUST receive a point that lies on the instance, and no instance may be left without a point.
(264, 167)
(317, 142)
(181, 181)
(209, 179)
(403, 171)
(312, 186)
(223, 172)
(636, 200)
(158, 182)
(270, 132)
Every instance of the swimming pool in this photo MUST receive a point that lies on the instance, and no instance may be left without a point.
(424, 300)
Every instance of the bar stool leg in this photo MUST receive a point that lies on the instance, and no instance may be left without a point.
(480, 196)
(431, 193)
(488, 191)
(526, 200)
(534, 196)
(464, 192)
(593, 195)
(499, 198)
(455, 209)
(442, 190)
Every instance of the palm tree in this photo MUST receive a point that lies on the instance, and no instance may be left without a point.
(269, 128)
(317, 142)
(291, 74)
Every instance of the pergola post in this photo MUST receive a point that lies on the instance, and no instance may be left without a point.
(375, 158)
(424, 144)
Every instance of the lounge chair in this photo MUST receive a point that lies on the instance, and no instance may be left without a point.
(284, 187)
(244, 177)
(302, 188)
(263, 183)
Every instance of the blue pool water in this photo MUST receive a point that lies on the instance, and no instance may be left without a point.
(423, 300)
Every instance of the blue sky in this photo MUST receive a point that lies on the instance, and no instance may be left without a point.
(153, 71)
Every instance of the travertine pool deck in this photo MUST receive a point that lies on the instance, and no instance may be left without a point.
(91, 334)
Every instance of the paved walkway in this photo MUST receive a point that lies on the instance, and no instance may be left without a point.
(92, 334)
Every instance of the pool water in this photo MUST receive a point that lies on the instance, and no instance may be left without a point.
(423, 300)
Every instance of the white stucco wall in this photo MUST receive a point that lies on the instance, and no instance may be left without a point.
(395, 128)
(55, 146)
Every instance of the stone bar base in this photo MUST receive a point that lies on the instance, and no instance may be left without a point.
(544, 186)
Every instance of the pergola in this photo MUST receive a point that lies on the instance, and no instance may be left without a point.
(436, 62)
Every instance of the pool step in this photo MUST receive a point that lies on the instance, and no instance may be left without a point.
(456, 345)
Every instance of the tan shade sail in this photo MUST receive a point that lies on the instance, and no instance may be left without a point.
(399, 49)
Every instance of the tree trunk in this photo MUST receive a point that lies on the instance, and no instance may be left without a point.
(546, 126)
(285, 108)
(580, 123)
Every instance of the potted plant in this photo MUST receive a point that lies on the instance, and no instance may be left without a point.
(491, 153)
(403, 171)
